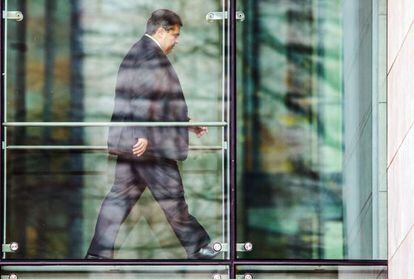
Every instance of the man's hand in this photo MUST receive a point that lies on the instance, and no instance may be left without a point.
(139, 148)
(199, 130)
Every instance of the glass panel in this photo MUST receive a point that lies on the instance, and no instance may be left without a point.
(63, 58)
(305, 130)
(122, 272)
(66, 61)
(312, 272)
(54, 198)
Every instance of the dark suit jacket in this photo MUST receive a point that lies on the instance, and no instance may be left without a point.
(148, 89)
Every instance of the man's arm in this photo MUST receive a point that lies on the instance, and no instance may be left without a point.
(147, 101)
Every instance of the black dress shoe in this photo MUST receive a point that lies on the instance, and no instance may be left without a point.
(93, 257)
(205, 253)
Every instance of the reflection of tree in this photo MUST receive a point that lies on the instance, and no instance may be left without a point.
(46, 209)
(20, 82)
(41, 220)
(69, 56)
(49, 63)
(18, 207)
(74, 206)
(285, 108)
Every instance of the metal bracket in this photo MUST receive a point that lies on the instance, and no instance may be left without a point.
(244, 247)
(3, 145)
(212, 16)
(10, 247)
(240, 16)
(16, 15)
(225, 145)
(240, 247)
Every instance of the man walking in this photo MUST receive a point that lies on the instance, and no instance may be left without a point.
(148, 90)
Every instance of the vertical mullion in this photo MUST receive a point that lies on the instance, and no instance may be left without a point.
(233, 130)
(4, 191)
(4, 60)
(3, 6)
(224, 158)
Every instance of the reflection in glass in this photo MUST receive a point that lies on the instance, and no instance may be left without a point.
(45, 181)
(148, 89)
(314, 272)
(63, 61)
(63, 58)
(305, 187)
(53, 217)
(95, 272)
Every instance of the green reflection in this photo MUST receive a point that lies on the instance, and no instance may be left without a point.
(62, 63)
(296, 174)
(313, 272)
(52, 217)
(123, 272)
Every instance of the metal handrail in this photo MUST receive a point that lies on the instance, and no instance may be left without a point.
(90, 147)
(113, 124)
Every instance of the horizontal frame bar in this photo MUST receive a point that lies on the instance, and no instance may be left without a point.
(117, 268)
(291, 262)
(113, 124)
(90, 147)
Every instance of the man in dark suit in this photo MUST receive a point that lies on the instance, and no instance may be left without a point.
(148, 90)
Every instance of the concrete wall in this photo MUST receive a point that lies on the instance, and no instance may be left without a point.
(400, 161)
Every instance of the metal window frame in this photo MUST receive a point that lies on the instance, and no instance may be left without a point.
(6, 125)
(113, 124)
(3, 6)
(232, 262)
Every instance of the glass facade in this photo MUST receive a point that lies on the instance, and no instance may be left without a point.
(181, 272)
(296, 272)
(131, 132)
(62, 66)
(123, 272)
(307, 153)
(291, 121)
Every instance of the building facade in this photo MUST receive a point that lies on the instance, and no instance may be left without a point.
(303, 172)
(400, 88)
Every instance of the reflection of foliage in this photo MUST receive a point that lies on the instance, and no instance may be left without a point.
(69, 55)
(293, 126)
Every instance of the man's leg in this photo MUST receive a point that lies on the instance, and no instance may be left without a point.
(115, 208)
(164, 181)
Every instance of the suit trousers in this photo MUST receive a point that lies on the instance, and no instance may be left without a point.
(162, 177)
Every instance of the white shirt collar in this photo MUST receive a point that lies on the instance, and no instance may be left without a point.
(152, 38)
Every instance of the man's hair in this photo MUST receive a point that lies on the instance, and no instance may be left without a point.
(162, 18)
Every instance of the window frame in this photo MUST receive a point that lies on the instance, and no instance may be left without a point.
(232, 262)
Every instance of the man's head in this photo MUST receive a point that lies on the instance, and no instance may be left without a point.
(164, 25)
